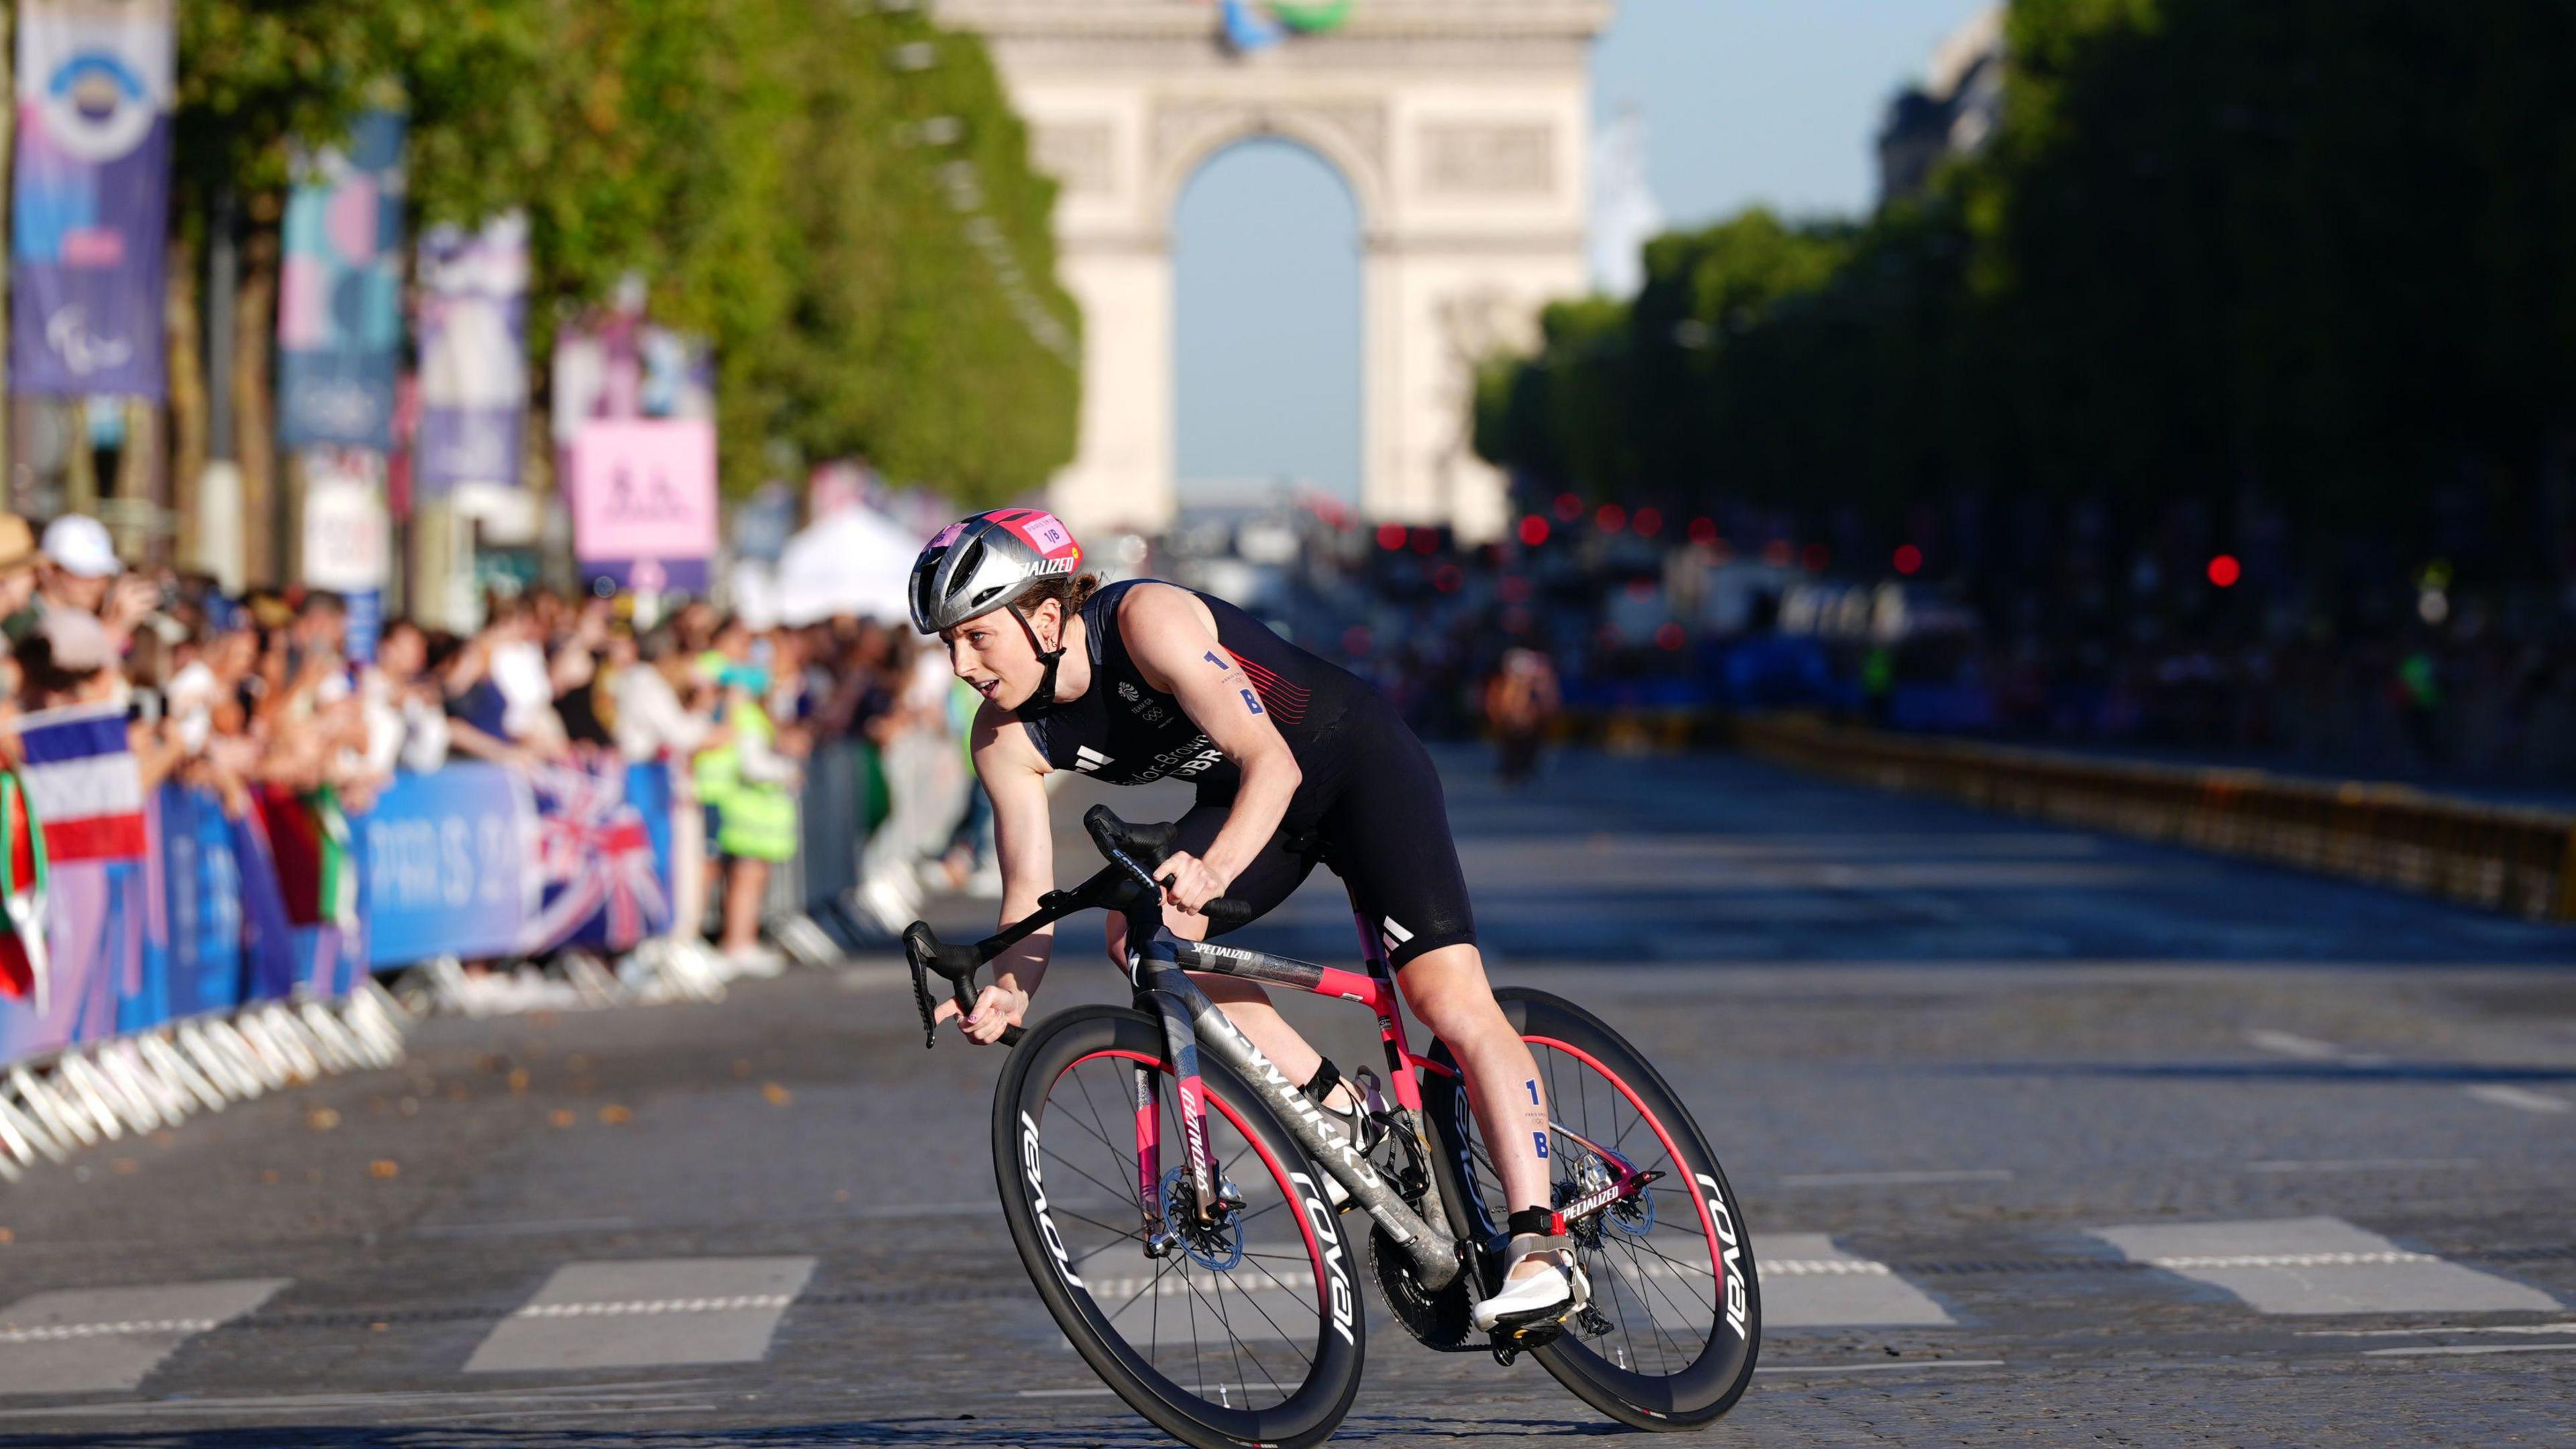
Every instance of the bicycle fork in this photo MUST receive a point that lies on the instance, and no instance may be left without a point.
(1190, 1021)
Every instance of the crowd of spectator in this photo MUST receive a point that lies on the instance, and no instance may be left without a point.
(269, 691)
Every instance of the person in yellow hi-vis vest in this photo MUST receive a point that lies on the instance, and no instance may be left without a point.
(750, 785)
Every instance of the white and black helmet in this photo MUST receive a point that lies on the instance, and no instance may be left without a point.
(988, 561)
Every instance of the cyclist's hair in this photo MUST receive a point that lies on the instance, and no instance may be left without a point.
(1069, 592)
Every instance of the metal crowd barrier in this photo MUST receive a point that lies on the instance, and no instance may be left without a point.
(2502, 858)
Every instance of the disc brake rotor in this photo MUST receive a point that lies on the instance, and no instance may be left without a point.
(1217, 1245)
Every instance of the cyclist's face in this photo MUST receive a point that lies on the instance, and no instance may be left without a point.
(992, 653)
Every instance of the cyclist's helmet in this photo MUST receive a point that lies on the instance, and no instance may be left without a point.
(989, 561)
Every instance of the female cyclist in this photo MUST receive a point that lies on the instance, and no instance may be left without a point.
(1295, 761)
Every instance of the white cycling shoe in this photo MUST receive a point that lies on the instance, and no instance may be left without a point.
(1536, 1300)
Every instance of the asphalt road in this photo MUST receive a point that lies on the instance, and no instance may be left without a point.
(2043, 1138)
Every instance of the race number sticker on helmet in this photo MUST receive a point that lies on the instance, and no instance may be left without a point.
(1042, 531)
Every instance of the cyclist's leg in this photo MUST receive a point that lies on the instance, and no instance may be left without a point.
(1389, 837)
(1447, 989)
(1272, 877)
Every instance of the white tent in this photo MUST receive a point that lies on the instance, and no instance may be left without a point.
(854, 562)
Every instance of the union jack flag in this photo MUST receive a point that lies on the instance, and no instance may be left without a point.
(602, 887)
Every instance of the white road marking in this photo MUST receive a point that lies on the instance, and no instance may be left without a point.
(2454, 1350)
(2292, 1260)
(652, 1311)
(2521, 1097)
(2363, 1164)
(2437, 1328)
(92, 1330)
(87, 1340)
(2274, 1266)
(1870, 1368)
(588, 1395)
(2291, 1044)
(656, 1305)
(1896, 1179)
(1821, 1267)
(1810, 1283)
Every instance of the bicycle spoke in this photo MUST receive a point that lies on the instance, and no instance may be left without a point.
(1119, 1193)
(1650, 1281)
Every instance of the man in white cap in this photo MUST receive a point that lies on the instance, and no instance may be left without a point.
(80, 571)
(80, 562)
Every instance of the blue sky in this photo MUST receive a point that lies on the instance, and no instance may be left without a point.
(1745, 101)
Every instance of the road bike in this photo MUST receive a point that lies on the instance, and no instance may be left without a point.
(1218, 1295)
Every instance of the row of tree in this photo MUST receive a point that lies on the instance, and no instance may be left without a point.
(2300, 261)
(836, 194)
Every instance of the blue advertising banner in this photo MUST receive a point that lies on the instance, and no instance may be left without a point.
(447, 862)
(91, 198)
(339, 301)
(197, 926)
(473, 354)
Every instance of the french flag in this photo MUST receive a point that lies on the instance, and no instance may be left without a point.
(82, 783)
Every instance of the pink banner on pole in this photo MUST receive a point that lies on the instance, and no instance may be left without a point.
(644, 497)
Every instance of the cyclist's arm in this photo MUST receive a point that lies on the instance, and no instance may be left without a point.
(1173, 639)
(1014, 776)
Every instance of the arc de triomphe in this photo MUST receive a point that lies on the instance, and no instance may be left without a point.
(1463, 128)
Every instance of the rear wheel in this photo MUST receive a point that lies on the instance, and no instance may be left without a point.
(1248, 1331)
(1676, 1317)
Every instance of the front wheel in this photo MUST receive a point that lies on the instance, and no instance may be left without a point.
(1245, 1331)
(1676, 1316)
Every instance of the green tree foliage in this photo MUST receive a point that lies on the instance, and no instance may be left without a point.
(2310, 253)
(781, 172)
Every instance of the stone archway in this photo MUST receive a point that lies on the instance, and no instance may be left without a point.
(1463, 130)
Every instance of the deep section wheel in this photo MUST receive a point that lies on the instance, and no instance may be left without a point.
(1676, 1318)
(1241, 1330)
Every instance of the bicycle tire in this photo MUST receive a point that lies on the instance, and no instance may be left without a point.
(1068, 1272)
(1573, 1041)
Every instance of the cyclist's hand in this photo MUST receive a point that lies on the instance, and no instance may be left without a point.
(996, 1007)
(1188, 883)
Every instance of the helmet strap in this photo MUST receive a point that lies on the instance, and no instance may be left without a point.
(1041, 700)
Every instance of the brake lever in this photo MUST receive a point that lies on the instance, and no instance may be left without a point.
(921, 998)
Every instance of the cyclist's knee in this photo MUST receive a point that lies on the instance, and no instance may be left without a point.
(1447, 989)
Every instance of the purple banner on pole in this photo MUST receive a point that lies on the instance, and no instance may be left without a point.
(473, 362)
(92, 198)
(339, 303)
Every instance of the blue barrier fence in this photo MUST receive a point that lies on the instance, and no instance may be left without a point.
(293, 897)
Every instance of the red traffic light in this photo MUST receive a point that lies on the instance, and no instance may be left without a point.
(1391, 536)
(1534, 530)
(1909, 559)
(2224, 570)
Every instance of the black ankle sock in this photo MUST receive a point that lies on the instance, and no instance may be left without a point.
(1321, 1085)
